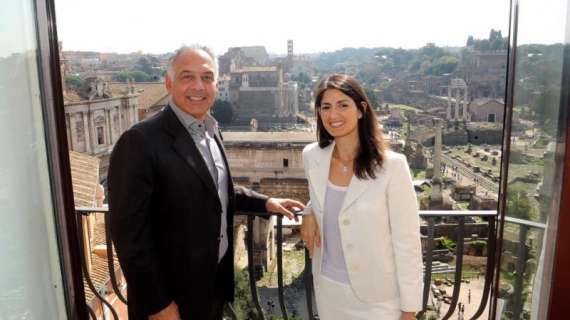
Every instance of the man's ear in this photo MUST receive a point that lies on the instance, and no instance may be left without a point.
(168, 83)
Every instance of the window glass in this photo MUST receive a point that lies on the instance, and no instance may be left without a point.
(30, 278)
(534, 182)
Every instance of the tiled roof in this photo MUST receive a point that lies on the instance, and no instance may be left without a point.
(257, 69)
(295, 136)
(149, 92)
(482, 101)
(99, 268)
(85, 178)
(71, 96)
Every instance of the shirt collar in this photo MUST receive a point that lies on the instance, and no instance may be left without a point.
(194, 125)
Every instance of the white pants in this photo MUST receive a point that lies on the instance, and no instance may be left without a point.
(336, 301)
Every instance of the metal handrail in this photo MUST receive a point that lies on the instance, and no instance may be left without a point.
(429, 215)
(87, 277)
(458, 269)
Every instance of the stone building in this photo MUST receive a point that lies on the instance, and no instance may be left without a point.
(238, 57)
(95, 119)
(224, 88)
(259, 92)
(152, 96)
(487, 110)
(457, 95)
(484, 72)
(260, 159)
(271, 163)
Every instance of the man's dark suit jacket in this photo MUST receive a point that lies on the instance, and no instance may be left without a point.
(165, 220)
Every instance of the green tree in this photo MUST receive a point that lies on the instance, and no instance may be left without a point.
(243, 306)
(372, 97)
(136, 76)
(443, 65)
(302, 78)
(74, 82)
(149, 65)
(448, 243)
(518, 205)
(546, 107)
(222, 111)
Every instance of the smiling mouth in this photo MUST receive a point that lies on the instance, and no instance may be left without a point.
(196, 98)
(336, 124)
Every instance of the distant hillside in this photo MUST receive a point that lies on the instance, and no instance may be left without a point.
(330, 61)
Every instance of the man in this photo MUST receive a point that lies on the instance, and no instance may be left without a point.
(172, 201)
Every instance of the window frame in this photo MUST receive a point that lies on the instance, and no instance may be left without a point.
(58, 158)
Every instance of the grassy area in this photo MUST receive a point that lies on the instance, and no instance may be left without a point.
(462, 205)
(404, 107)
(465, 275)
(484, 165)
(293, 265)
(418, 174)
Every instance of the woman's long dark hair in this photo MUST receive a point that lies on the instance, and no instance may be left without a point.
(370, 155)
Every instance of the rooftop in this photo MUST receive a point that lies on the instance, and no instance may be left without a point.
(85, 178)
(256, 69)
(296, 136)
(149, 93)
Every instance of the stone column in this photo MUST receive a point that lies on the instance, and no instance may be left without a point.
(92, 132)
(436, 180)
(109, 128)
(120, 120)
(448, 103)
(126, 112)
(135, 114)
(456, 104)
(466, 115)
(86, 132)
(437, 151)
(68, 122)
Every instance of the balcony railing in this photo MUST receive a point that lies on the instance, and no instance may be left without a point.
(429, 228)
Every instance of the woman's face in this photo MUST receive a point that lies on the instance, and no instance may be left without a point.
(339, 114)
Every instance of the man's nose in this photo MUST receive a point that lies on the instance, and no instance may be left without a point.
(197, 85)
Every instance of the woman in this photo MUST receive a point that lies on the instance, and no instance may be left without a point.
(362, 198)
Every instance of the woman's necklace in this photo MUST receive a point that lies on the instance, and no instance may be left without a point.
(344, 164)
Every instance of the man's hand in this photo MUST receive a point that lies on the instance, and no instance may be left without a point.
(310, 233)
(408, 316)
(168, 313)
(283, 206)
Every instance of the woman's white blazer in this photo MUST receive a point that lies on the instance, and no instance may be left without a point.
(379, 229)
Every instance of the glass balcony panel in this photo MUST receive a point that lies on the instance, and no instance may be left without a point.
(534, 179)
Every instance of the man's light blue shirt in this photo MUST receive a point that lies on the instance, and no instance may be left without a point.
(203, 134)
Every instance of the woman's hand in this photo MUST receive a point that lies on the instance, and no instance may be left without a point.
(310, 233)
(408, 316)
(168, 313)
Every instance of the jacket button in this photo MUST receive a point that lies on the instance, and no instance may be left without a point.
(349, 246)
(346, 222)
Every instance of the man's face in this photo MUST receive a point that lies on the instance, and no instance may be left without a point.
(193, 84)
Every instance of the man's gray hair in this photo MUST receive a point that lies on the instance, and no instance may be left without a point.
(194, 47)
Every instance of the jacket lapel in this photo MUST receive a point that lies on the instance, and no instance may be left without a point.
(355, 189)
(185, 147)
(319, 172)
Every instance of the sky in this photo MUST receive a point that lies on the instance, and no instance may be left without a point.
(314, 25)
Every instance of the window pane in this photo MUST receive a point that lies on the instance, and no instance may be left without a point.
(534, 182)
(30, 281)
